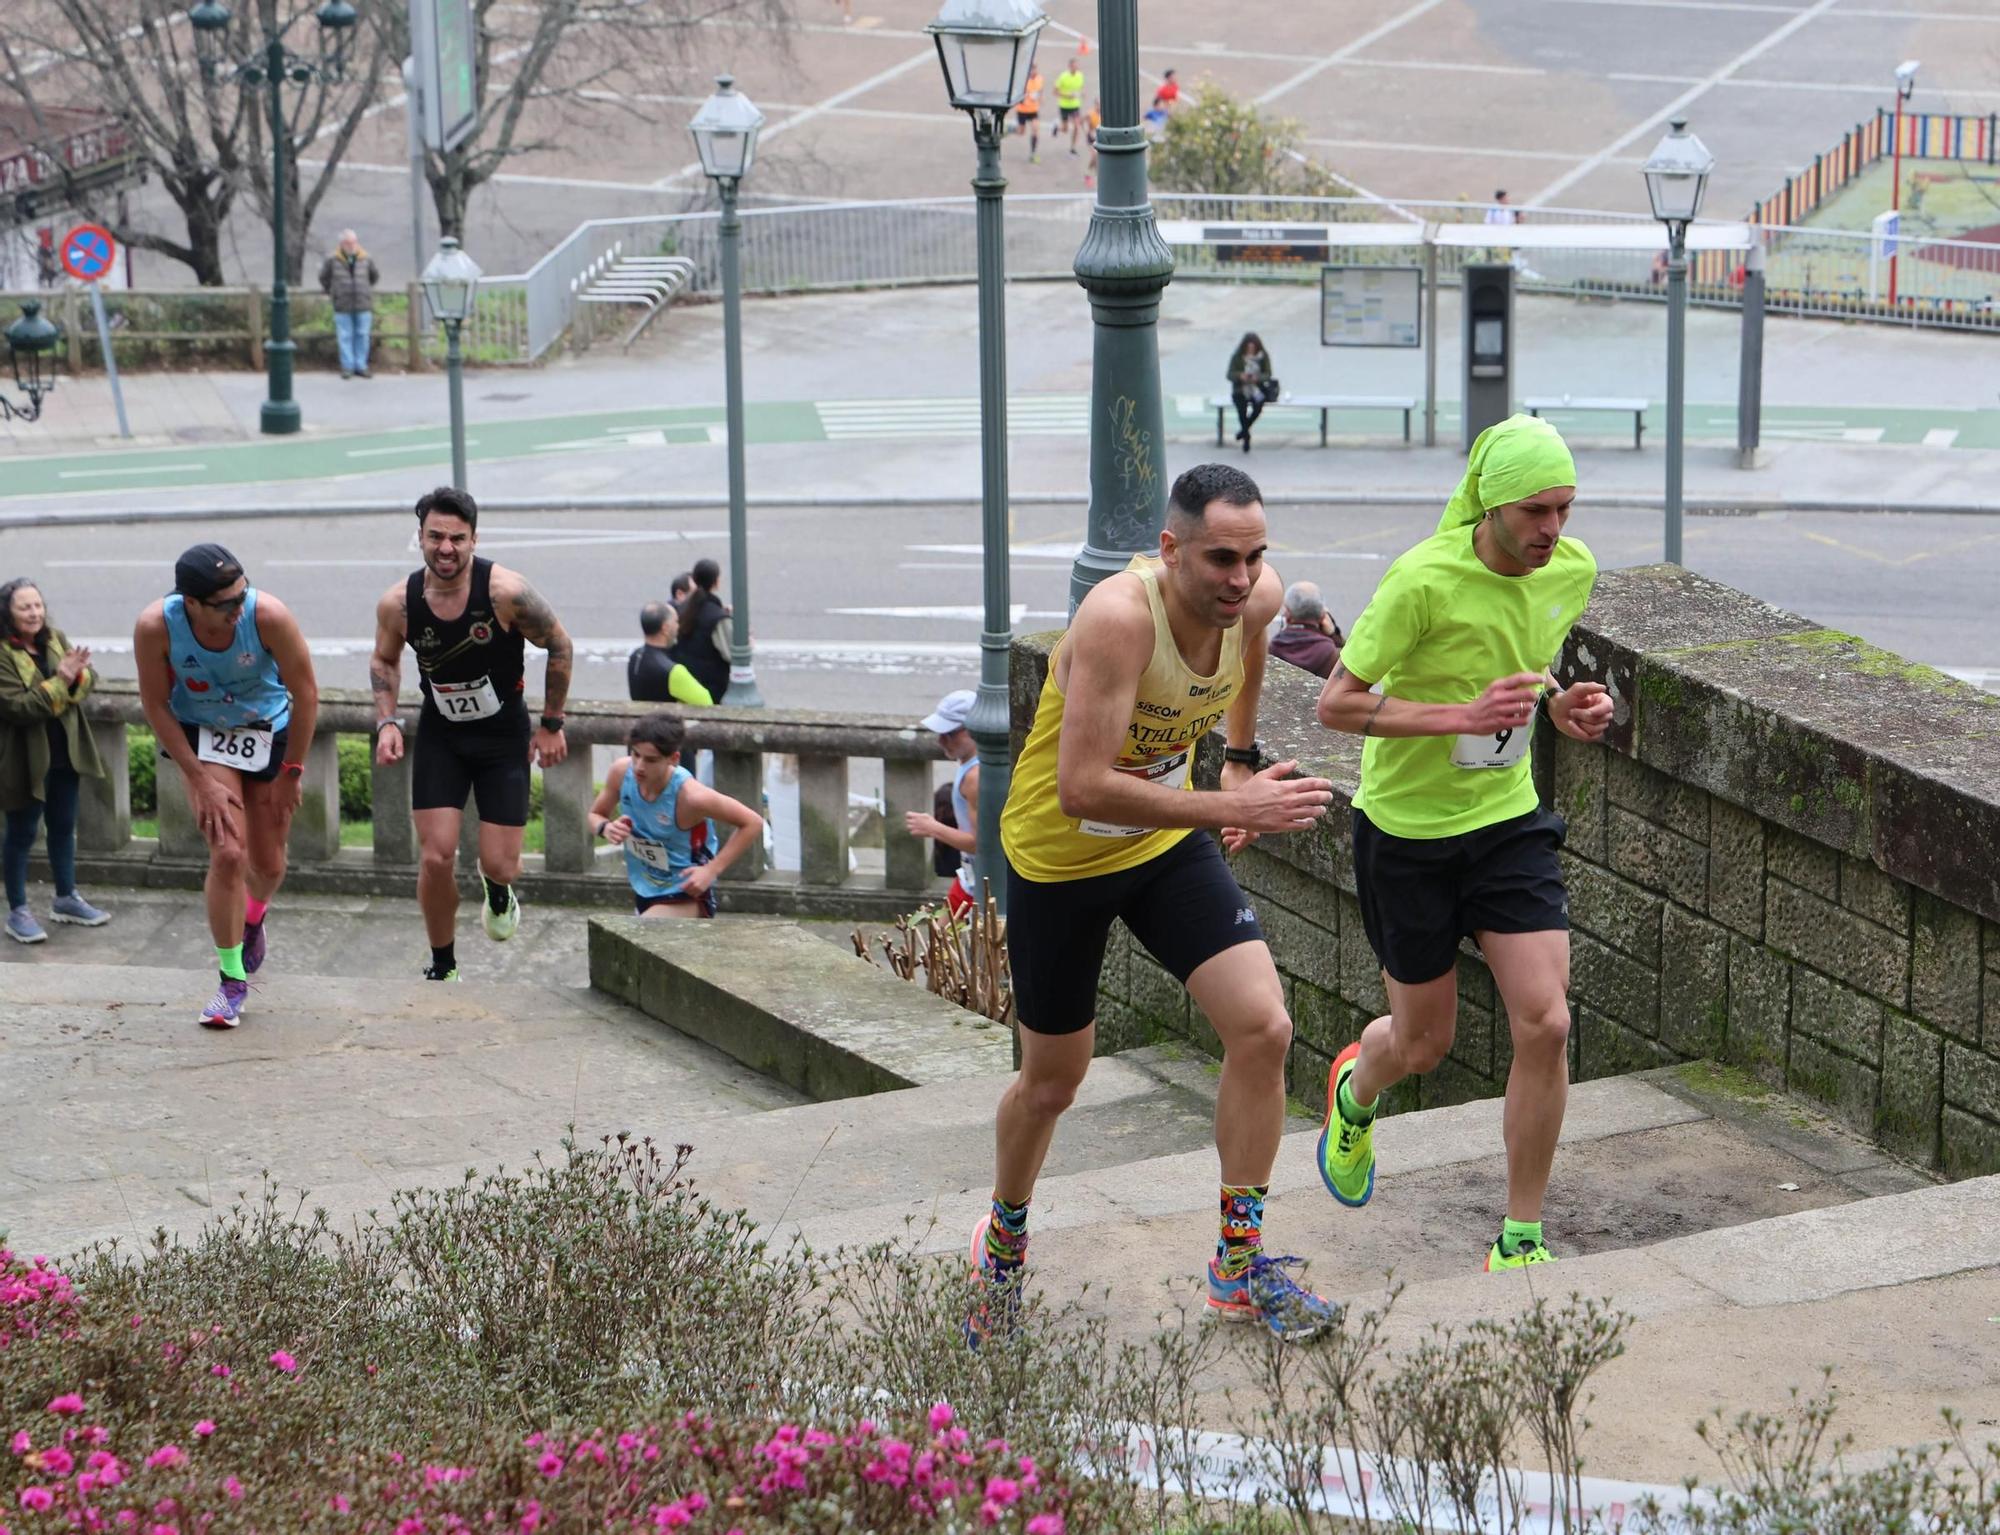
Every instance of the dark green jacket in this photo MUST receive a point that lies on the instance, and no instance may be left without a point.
(28, 701)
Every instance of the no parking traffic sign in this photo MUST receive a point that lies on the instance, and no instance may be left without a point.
(88, 252)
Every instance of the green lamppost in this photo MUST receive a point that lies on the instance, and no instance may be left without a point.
(1124, 266)
(987, 48)
(31, 346)
(1676, 180)
(336, 18)
(450, 280)
(725, 136)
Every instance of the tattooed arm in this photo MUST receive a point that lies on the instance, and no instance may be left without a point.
(519, 606)
(385, 671)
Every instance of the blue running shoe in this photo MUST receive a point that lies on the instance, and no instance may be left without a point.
(255, 947)
(998, 1312)
(1265, 1293)
(78, 912)
(225, 1008)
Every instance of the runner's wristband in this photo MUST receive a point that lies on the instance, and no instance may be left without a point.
(552, 723)
(381, 725)
(293, 769)
(1249, 755)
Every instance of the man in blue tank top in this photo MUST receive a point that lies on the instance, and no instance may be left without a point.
(947, 723)
(227, 684)
(469, 622)
(659, 812)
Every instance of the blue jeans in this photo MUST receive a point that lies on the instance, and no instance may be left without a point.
(60, 793)
(352, 331)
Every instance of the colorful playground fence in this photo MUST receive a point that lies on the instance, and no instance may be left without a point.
(1925, 136)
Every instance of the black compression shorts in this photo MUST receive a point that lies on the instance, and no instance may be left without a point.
(487, 762)
(1184, 906)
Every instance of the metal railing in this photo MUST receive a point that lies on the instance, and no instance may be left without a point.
(573, 866)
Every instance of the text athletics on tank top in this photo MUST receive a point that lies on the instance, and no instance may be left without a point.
(1174, 708)
(469, 667)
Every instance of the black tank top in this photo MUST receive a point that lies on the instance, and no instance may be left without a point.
(463, 650)
(697, 647)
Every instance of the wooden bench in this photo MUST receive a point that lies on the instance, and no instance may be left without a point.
(1325, 404)
(1637, 408)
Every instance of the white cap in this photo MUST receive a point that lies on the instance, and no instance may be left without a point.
(951, 713)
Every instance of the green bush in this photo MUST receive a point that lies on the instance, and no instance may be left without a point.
(142, 772)
(357, 791)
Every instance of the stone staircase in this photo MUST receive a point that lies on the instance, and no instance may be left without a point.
(1751, 1241)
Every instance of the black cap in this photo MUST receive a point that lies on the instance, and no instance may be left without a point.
(205, 570)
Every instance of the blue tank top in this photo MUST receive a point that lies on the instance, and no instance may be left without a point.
(667, 849)
(235, 686)
(962, 813)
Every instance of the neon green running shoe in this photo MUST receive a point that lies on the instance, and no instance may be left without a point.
(499, 925)
(1346, 1152)
(1528, 1252)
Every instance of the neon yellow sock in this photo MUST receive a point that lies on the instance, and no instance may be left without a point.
(230, 962)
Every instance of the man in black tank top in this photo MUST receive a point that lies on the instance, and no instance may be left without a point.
(470, 622)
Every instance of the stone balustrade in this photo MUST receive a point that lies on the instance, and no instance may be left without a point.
(574, 866)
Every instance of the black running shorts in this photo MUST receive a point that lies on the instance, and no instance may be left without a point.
(268, 773)
(1420, 896)
(1069, 114)
(487, 762)
(1184, 906)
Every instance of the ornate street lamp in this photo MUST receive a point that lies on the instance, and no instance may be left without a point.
(987, 48)
(31, 347)
(271, 66)
(1676, 181)
(450, 282)
(725, 137)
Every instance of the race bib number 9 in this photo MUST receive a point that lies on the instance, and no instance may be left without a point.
(1167, 772)
(466, 700)
(1502, 748)
(248, 751)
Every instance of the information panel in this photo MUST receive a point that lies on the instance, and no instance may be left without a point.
(1371, 306)
(444, 40)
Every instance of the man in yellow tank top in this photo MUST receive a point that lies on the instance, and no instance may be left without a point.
(1100, 825)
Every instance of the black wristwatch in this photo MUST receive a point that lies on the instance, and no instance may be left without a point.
(552, 723)
(1249, 755)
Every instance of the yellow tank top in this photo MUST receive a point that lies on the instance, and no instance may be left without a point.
(1175, 707)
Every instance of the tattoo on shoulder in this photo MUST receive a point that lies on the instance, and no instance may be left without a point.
(532, 614)
(1369, 727)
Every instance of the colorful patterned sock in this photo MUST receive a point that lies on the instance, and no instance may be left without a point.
(1007, 1234)
(230, 962)
(1514, 1235)
(254, 909)
(1242, 1235)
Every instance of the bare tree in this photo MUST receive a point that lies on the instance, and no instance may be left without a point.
(544, 71)
(205, 135)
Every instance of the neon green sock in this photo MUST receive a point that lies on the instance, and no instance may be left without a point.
(1514, 1235)
(230, 962)
(1351, 1111)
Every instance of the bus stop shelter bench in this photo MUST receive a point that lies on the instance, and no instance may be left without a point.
(1325, 404)
(1637, 408)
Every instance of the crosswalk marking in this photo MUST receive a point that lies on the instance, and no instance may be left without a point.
(1035, 415)
(1941, 437)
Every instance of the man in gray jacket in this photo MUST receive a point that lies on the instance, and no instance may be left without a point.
(349, 277)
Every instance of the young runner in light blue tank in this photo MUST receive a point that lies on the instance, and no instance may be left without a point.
(658, 812)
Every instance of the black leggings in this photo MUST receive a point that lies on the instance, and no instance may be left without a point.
(1248, 407)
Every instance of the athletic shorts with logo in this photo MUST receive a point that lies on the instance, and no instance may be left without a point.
(1184, 905)
(487, 762)
(1421, 895)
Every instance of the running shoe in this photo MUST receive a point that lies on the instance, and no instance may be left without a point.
(1265, 1293)
(432, 973)
(225, 1008)
(74, 909)
(255, 947)
(999, 1312)
(1528, 1252)
(500, 925)
(23, 928)
(1346, 1152)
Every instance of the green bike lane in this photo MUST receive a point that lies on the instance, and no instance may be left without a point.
(117, 470)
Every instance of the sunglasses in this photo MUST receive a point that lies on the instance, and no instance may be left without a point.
(226, 605)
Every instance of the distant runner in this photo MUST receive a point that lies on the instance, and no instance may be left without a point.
(470, 622)
(1028, 115)
(1069, 101)
(1100, 825)
(227, 684)
(659, 814)
(947, 723)
(1450, 839)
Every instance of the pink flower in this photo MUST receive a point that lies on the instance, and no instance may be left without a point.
(22, 1443)
(166, 1455)
(204, 1428)
(232, 1489)
(219, 1371)
(531, 1518)
(550, 1464)
(66, 1405)
(941, 1417)
(283, 1361)
(58, 1460)
(35, 1499)
(1001, 1490)
(410, 1527)
(340, 1503)
(1046, 1524)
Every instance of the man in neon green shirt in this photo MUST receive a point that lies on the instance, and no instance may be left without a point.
(1069, 101)
(1450, 840)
